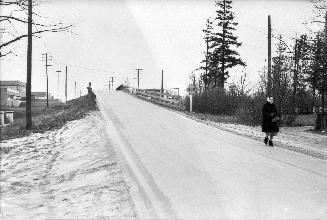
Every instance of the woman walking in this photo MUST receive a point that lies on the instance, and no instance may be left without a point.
(269, 121)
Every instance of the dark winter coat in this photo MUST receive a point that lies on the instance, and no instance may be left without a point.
(269, 111)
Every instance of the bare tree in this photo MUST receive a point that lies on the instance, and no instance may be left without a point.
(14, 17)
(21, 14)
(320, 7)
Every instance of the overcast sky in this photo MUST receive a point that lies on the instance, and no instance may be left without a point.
(114, 37)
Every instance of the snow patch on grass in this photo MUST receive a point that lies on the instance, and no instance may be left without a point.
(68, 173)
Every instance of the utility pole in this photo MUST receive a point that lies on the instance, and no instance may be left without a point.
(66, 88)
(75, 90)
(296, 65)
(58, 71)
(207, 43)
(29, 68)
(269, 83)
(138, 78)
(323, 86)
(162, 88)
(111, 81)
(46, 73)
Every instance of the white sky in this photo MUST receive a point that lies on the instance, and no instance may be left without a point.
(114, 37)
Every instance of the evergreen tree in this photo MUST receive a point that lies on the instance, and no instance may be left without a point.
(224, 43)
(208, 72)
(301, 63)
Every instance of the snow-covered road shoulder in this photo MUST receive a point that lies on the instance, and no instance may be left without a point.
(72, 172)
(298, 139)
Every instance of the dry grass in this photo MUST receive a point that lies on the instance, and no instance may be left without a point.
(232, 119)
(45, 119)
(306, 120)
(301, 120)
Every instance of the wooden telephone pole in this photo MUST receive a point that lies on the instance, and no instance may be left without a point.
(138, 78)
(66, 88)
(207, 53)
(29, 68)
(269, 82)
(112, 83)
(323, 86)
(162, 88)
(296, 67)
(58, 72)
(46, 73)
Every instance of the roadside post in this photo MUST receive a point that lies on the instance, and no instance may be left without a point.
(2, 118)
(10, 116)
(191, 90)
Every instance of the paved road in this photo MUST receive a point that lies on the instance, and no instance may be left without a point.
(180, 168)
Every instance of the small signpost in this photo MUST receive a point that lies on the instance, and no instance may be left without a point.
(191, 90)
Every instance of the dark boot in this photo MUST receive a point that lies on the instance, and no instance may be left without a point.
(271, 143)
(265, 140)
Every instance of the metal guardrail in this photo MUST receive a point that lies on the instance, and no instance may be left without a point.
(173, 101)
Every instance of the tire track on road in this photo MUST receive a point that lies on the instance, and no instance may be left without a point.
(156, 204)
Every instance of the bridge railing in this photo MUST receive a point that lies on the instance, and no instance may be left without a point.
(166, 99)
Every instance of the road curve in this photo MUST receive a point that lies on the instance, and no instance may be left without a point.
(180, 168)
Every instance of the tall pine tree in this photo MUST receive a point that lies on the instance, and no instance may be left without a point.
(208, 73)
(224, 43)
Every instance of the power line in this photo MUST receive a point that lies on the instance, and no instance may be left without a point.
(84, 67)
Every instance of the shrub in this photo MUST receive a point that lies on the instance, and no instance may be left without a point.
(249, 111)
(213, 101)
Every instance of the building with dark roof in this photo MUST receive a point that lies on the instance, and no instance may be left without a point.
(15, 88)
(41, 95)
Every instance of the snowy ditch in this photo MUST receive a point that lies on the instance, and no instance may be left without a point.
(72, 172)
